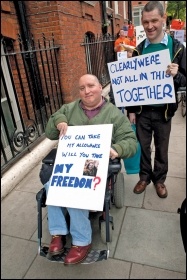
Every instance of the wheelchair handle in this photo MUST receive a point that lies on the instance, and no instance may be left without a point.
(181, 89)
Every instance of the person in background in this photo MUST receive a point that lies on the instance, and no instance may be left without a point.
(133, 41)
(171, 33)
(132, 35)
(122, 43)
(90, 109)
(155, 120)
(126, 26)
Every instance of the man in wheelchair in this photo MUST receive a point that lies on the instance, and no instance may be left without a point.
(90, 109)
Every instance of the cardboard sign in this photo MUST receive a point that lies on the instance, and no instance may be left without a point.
(142, 80)
(140, 34)
(81, 167)
(178, 34)
(121, 55)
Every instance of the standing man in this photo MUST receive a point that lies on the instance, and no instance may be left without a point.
(155, 120)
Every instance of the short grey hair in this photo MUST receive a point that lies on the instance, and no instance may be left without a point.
(152, 5)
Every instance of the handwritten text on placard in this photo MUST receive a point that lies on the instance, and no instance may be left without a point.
(80, 169)
(142, 80)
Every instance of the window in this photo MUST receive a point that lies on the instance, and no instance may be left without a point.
(116, 7)
(109, 4)
(124, 10)
(136, 15)
(92, 3)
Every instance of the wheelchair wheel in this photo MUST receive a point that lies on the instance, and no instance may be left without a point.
(183, 106)
(119, 188)
(103, 231)
(179, 98)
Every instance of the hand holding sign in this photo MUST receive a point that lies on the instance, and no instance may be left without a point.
(172, 69)
(62, 127)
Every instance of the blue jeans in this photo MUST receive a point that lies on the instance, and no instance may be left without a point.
(80, 226)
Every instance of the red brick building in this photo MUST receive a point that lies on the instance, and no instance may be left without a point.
(34, 87)
(69, 21)
(44, 53)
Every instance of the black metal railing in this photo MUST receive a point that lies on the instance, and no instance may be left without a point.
(30, 93)
(99, 51)
(31, 89)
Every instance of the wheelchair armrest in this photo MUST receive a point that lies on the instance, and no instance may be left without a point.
(114, 166)
(50, 157)
(41, 197)
(181, 89)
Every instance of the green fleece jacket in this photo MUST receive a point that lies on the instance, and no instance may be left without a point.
(124, 140)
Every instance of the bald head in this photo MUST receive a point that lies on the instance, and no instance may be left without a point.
(90, 77)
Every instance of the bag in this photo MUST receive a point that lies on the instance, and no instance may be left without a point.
(45, 173)
(132, 164)
(47, 166)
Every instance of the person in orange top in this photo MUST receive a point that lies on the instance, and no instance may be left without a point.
(121, 44)
(132, 37)
(133, 41)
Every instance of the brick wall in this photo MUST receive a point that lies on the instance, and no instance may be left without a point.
(9, 23)
(68, 21)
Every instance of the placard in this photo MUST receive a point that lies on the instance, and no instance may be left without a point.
(178, 34)
(142, 80)
(140, 34)
(81, 167)
(121, 55)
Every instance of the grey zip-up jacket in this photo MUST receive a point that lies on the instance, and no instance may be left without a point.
(179, 57)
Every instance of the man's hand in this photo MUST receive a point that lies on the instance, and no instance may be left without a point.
(172, 69)
(62, 127)
(113, 154)
(132, 118)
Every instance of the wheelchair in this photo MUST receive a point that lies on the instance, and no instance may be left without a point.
(114, 195)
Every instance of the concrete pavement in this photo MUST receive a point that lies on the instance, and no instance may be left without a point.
(146, 243)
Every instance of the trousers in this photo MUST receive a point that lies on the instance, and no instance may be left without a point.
(80, 226)
(151, 124)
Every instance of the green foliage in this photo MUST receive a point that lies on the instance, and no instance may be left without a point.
(176, 9)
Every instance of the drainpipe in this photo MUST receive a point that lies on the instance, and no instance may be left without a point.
(21, 12)
(29, 59)
(104, 19)
(129, 12)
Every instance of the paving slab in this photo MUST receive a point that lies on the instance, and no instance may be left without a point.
(110, 269)
(17, 255)
(147, 272)
(151, 238)
(176, 194)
